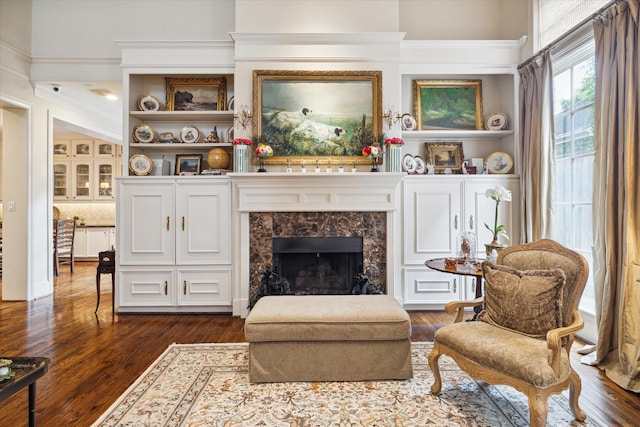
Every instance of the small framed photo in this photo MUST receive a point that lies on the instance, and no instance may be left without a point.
(188, 164)
(444, 155)
(448, 104)
(196, 94)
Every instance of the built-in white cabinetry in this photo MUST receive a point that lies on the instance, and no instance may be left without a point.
(493, 63)
(84, 170)
(174, 244)
(90, 241)
(436, 209)
(166, 125)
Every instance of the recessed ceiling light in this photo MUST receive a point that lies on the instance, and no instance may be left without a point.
(111, 97)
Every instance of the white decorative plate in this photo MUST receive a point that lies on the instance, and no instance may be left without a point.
(421, 166)
(144, 133)
(148, 103)
(499, 162)
(140, 164)
(409, 163)
(408, 122)
(496, 121)
(189, 134)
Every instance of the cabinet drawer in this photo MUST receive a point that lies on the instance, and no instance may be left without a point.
(153, 288)
(429, 287)
(204, 286)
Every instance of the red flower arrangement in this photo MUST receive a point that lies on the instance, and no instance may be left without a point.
(373, 151)
(242, 141)
(394, 141)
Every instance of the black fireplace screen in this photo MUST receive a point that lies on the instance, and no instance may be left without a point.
(318, 265)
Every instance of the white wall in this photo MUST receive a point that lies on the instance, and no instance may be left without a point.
(88, 28)
(15, 24)
(316, 16)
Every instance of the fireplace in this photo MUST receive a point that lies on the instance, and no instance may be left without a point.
(369, 228)
(282, 205)
(318, 265)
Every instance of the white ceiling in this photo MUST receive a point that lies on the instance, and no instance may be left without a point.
(87, 97)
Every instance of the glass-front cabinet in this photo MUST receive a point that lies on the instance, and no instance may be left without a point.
(84, 170)
(61, 181)
(105, 172)
(81, 180)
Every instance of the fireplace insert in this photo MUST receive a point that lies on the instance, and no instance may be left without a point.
(318, 265)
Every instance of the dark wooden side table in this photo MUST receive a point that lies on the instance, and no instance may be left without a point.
(27, 371)
(469, 270)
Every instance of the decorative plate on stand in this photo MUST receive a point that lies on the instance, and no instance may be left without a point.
(409, 163)
(496, 121)
(140, 164)
(499, 162)
(421, 166)
(148, 103)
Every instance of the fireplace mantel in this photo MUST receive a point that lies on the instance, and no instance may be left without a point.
(314, 192)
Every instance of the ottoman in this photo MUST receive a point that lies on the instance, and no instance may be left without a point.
(328, 338)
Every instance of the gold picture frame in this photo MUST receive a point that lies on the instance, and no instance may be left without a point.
(324, 117)
(196, 94)
(444, 155)
(448, 104)
(188, 164)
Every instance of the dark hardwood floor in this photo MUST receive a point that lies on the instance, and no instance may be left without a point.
(94, 358)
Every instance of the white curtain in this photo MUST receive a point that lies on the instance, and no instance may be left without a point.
(536, 132)
(616, 203)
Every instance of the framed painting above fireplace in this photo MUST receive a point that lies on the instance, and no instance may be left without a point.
(324, 116)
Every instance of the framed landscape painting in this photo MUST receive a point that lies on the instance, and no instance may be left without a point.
(317, 116)
(444, 155)
(196, 94)
(448, 104)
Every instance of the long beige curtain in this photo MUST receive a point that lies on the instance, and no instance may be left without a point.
(616, 204)
(536, 132)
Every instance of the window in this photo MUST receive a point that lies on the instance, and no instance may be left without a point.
(557, 17)
(573, 107)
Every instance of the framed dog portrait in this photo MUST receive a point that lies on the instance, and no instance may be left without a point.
(311, 115)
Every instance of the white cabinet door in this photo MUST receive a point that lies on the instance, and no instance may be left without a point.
(61, 180)
(97, 241)
(203, 286)
(145, 222)
(203, 212)
(480, 209)
(432, 209)
(82, 180)
(105, 172)
(80, 243)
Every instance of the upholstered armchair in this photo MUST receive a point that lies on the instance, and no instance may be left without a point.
(523, 336)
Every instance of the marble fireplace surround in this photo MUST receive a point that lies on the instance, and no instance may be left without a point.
(316, 201)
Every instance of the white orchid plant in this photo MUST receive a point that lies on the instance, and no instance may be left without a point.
(498, 194)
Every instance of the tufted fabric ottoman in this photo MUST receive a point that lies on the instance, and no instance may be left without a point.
(328, 338)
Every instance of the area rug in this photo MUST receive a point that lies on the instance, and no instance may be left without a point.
(208, 385)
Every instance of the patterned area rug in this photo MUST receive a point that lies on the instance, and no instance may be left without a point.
(207, 385)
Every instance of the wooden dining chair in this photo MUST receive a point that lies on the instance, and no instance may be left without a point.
(63, 237)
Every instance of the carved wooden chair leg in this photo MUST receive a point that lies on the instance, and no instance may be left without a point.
(538, 410)
(433, 357)
(575, 387)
